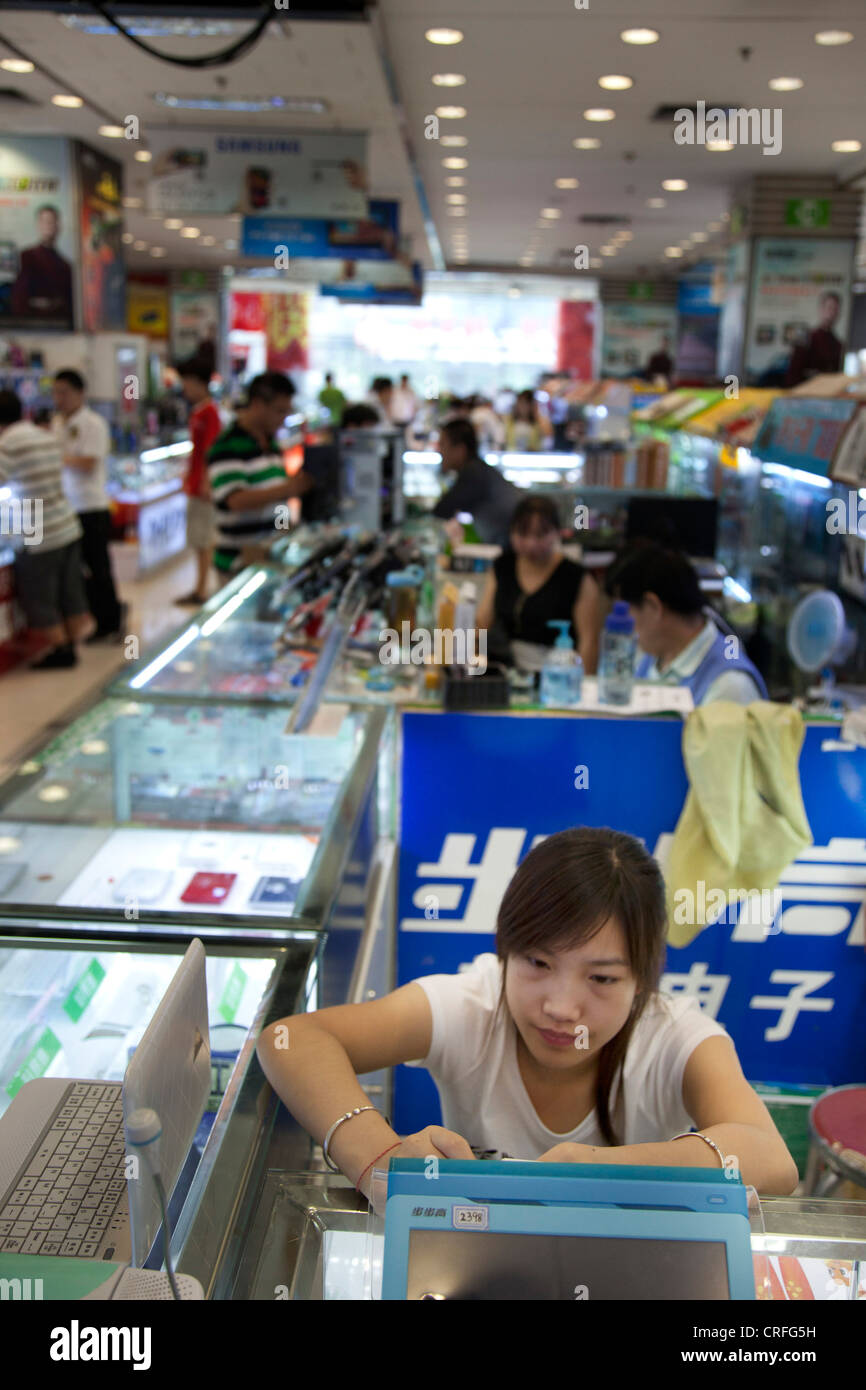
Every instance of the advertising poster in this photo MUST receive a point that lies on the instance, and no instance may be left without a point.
(576, 338)
(698, 311)
(195, 316)
(259, 174)
(282, 318)
(800, 299)
(147, 305)
(632, 334)
(373, 238)
(38, 237)
(804, 433)
(103, 272)
(376, 282)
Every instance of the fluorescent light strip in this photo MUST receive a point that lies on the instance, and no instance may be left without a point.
(217, 619)
(179, 645)
(797, 475)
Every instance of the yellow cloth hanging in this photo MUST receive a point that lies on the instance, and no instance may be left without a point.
(743, 821)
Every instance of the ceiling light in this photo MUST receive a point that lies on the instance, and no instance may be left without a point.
(190, 231)
(111, 132)
(448, 79)
(127, 237)
(608, 250)
(455, 141)
(444, 36)
(586, 142)
(20, 65)
(552, 213)
(616, 83)
(719, 146)
(158, 251)
(846, 146)
(785, 84)
(132, 202)
(625, 236)
(307, 106)
(143, 156)
(639, 36)
(451, 113)
(595, 263)
(656, 203)
(567, 183)
(208, 241)
(673, 251)
(455, 181)
(64, 99)
(700, 236)
(455, 197)
(675, 185)
(456, 212)
(173, 224)
(599, 113)
(455, 162)
(139, 246)
(832, 37)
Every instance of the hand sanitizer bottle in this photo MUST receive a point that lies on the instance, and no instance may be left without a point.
(562, 672)
(618, 651)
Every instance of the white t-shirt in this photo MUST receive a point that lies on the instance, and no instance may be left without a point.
(84, 433)
(482, 1092)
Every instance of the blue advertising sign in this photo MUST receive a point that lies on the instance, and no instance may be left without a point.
(359, 292)
(372, 238)
(791, 997)
(803, 432)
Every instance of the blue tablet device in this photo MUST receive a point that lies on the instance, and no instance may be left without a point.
(585, 1232)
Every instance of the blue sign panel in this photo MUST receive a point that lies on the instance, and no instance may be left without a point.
(803, 432)
(373, 238)
(479, 790)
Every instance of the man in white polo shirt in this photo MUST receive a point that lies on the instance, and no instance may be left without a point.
(84, 442)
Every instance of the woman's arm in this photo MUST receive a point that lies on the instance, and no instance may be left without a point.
(487, 604)
(586, 617)
(723, 1106)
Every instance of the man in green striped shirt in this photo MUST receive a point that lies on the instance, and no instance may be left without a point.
(247, 475)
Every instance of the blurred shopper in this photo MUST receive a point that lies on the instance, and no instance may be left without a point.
(332, 398)
(532, 583)
(661, 363)
(360, 416)
(85, 442)
(404, 402)
(486, 423)
(822, 352)
(526, 429)
(379, 397)
(37, 520)
(205, 427)
(683, 645)
(247, 475)
(479, 489)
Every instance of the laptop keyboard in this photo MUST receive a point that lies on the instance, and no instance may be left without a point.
(72, 1182)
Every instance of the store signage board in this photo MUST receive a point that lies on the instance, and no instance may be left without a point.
(791, 999)
(258, 173)
(807, 212)
(632, 332)
(37, 249)
(373, 238)
(790, 277)
(372, 286)
(804, 432)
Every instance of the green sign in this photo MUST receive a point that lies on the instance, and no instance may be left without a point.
(84, 990)
(36, 1063)
(233, 993)
(807, 212)
(641, 289)
(192, 279)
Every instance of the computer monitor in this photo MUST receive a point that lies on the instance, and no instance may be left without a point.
(322, 463)
(689, 524)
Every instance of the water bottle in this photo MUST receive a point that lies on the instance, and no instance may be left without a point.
(562, 672)
(618, 651)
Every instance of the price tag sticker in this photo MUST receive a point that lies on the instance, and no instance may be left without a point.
(469, 1218)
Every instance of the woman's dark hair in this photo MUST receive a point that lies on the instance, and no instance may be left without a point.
(563, 893)
(647, 568)
(534, 505)
(527, 398)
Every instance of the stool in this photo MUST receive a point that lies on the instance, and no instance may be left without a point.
(837, 1152)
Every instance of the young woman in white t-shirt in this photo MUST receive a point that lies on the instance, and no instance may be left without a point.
(558, 1047)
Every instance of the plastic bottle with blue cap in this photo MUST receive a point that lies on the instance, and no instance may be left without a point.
(562, 672)
(618, 653)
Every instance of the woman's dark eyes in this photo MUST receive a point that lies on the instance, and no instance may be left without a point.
(598, 979)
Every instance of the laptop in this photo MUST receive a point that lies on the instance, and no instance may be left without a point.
(68, 1186)
(562, 1231)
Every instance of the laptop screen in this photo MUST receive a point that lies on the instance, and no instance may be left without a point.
(487, 1265)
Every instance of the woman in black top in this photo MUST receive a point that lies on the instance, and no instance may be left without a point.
(533, 582)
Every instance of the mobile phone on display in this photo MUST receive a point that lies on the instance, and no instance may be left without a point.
(147, 885)
(275, 890)
(208, 888)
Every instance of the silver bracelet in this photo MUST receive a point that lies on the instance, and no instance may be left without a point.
(695, 1134)
(327, 1139)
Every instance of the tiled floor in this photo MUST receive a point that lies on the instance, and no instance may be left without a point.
(30, 701)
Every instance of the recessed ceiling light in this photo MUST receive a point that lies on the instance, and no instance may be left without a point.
(625, 236)
(700, 236)
(132, 202)
(616, 82)
(53, 793)
(173, 224)
(64, 99)
(595, 262)
(455, 197)
(639, 36)
(675, 185)
(673, 251)
(143, 156)
(20, 65)
(456, 212)
(455, 181)
(586, 142)
(111, 132)
(846, 146)
(599, 113)
(444, 36)
(455, 162)
(608, 250)
(832, 37)
(190, 231)
(127, 237)
(454, 141)
(139, 246)
(448, 79)
(208, 241)
(719, 146)
(451, 113)
(567, 183)
(158, 251)
(551, 213)
(785, 84)
(656, 203)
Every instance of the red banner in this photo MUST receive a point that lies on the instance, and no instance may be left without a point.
(284, 320)
(577, 320)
